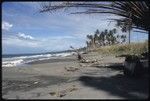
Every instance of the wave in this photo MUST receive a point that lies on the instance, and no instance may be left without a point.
(12, 63)
(19, 60)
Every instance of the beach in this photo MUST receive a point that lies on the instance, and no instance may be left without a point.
(52, 79)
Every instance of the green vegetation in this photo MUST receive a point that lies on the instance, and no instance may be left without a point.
(131, 49)
(134, 15)
(104, 38)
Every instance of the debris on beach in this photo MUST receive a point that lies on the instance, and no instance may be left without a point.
(71, 68)
(52, 93)
(72, 88)
(85, 65)
(82, 65)
(36, 82)
(63, 92)
(88, 61)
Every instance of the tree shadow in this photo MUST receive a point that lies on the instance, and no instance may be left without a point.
(114, 66)
(118, 67)
(119, 85)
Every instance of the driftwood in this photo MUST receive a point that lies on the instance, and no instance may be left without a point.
(78, 54)
(80, 57)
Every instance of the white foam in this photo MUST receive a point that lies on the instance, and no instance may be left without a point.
(33, 56)
(12, 63)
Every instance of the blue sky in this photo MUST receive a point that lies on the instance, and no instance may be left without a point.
(24, 30)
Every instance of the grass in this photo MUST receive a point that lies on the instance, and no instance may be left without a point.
(131, 49)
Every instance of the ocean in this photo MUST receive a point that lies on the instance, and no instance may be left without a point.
(22, 59)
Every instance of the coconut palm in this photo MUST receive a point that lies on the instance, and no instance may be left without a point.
(125, 27)
(96, 37)
(97, 32)
(87, 43)
(92, 40)
(102, 38)
(123, 37)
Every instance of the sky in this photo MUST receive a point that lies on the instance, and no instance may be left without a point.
(25, 30)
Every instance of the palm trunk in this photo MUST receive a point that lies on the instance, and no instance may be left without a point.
(93, 43)
(129, 36)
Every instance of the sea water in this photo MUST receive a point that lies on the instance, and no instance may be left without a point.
(20, 59)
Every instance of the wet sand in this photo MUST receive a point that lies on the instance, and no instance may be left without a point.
(50, 80)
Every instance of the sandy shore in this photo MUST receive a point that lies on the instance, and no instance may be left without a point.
(50, 80)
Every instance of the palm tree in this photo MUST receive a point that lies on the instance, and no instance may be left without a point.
(96, 37)
(87, 43)
(125, 27)
(118, 39)
(101, 38)
(135, 11)
(97, 32)
(92, 40)
(114, 40)
(114, 31)
(123, 37)
(106, 37)
(110, 36)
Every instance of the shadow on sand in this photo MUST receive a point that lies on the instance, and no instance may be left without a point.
(113, 66)
(119, 85)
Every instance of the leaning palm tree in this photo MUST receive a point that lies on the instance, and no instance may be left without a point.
(134, 12)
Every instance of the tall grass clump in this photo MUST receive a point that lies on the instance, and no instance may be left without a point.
(131, 49)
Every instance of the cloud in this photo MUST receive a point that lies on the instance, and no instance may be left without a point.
(54, 43)
(18, 42)
(26, 37)
(53, 31)
(6, 25)
(61, 43)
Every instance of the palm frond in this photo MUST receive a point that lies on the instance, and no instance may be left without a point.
(136, 12)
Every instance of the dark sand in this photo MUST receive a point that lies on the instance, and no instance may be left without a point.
(101, 80)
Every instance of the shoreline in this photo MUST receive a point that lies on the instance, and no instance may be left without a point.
(49, 80)
(33, 59)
